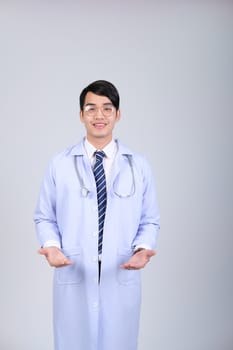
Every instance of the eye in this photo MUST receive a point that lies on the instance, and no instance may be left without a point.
(90, 109)
(108, 109)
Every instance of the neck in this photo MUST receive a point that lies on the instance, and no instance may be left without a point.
(99, 143)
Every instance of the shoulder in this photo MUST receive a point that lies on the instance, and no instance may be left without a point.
(138, 160)
(67, 153)
(61, 160)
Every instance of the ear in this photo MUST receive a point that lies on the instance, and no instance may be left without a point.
(118, 115)
(81, 116)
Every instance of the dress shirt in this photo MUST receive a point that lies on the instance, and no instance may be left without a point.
(110, 152)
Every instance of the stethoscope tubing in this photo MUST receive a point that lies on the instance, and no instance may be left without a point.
(85, 191)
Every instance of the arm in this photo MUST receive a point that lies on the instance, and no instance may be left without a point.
(45, 212)
(146, 237)
(46, 223)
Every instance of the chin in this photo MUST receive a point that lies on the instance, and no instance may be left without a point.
(100, 136)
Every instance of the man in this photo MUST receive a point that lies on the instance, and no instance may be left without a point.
(97, 222)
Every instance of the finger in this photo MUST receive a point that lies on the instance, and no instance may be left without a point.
(122, 266)
(129, 266)
(125, 266)
(67, 262)
(64, 263)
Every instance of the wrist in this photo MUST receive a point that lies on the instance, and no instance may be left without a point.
(52, 243)
(138, 250)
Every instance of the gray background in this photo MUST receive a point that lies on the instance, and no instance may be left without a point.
(172, 63)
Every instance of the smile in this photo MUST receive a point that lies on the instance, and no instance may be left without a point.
(99, 125)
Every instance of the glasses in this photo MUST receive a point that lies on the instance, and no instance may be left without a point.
(107, 110)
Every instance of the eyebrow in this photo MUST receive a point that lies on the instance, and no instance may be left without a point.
(104, 104)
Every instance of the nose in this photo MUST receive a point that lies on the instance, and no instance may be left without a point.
(99, 113)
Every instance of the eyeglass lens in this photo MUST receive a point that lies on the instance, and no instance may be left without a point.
(92, 110)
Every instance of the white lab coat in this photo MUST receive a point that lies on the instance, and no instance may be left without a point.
(89, 315)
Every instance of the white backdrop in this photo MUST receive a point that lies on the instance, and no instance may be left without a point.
(172, 62)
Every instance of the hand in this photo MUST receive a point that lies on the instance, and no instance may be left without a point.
(138, 260)
(55, 256)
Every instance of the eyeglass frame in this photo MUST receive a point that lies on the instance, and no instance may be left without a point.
(99, 108)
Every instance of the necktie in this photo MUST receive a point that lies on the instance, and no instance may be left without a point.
(101, 194)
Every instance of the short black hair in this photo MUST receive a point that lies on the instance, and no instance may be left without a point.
(101, 88)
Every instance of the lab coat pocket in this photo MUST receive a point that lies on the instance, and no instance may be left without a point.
(70, 274)
(126, 277)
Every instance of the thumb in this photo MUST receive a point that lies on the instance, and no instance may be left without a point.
(41, 251)
(150, 253)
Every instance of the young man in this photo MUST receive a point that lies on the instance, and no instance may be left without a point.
(97, 221)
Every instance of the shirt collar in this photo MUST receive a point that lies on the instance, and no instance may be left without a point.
(80, 150)
(110, 149)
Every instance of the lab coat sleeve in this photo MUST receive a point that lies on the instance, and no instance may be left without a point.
(45, 212)
(150, 218)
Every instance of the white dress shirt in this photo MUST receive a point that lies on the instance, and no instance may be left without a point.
(110, 152)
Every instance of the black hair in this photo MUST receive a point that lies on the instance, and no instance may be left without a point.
(101, 88)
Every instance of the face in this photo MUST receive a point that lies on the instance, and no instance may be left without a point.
(99, 125)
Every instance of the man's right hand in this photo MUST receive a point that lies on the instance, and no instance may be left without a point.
(55, 257)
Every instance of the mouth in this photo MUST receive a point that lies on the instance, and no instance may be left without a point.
(99, 125)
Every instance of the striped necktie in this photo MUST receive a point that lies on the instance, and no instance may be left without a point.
(101, 194)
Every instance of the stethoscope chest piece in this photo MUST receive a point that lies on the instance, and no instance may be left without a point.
(85, 191)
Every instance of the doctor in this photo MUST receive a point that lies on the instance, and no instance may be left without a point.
(98, 245)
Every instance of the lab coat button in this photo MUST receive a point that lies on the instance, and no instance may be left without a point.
(95, 234)
(94, 258)
(95, 304)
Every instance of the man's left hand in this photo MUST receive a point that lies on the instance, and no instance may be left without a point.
(138, 260)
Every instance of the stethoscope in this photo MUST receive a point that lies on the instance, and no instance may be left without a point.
(85, 191)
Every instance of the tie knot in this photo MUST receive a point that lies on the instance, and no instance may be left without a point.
(99, 155)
